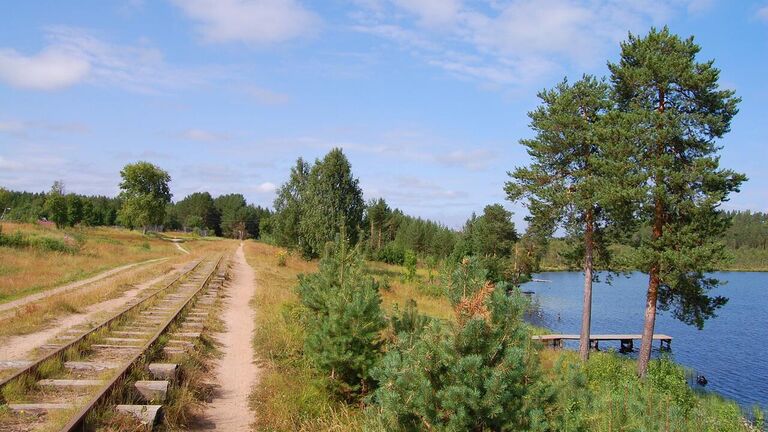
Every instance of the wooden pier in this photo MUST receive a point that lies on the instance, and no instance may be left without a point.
(626, 340)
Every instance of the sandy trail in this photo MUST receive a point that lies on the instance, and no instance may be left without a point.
(71, 286)
(236, 372)
(18, 347)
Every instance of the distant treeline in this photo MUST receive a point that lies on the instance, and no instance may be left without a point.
(77, 209)
(323, 198)
(747, 230)
(227, 215)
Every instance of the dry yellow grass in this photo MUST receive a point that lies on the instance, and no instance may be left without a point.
(25, 271)
(43, 313)
(290, 395)
(400, 291)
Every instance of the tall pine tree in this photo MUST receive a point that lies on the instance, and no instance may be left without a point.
(677, 111)
(563, 184)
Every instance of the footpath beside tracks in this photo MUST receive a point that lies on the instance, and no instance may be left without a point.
(82, 373)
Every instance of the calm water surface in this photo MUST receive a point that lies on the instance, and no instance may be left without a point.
(731, 350)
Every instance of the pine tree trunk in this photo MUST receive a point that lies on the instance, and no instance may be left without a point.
(653, 293)
(586, 311)
(372, 234)
(650, 322)
(654, 280)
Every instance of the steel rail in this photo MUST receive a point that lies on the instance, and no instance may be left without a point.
(32, 367)
(77, 421)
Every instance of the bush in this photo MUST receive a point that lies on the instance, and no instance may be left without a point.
(409, 261)
(19, 240)
(52, 244)
(391, 254)
(344, 320)
(479, 373)
(15, 240)
(282, 258)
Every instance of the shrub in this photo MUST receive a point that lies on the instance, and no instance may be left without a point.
(52, 244)
(409, 261)
(478, 373)
(19, 240)
(391, 254)
(15, 240)
(282, 258)
(344, 320)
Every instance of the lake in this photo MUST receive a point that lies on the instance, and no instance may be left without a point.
(730, 351)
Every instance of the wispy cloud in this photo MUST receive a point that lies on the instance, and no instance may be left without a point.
(201, 135)
(24, 128)
(266, 96)
(51, 69)
(513, 42)
(252, 22)
(74, 55)
(762, 13)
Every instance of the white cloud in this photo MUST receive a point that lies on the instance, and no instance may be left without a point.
(432, 12)
(266, 187)
(202, 135)
(256, 22)
(762, 13)
(25, 128)
(475, 160)
(12, 126)
(76, 55)
(515, 42)
(266, 96)
(53, 68)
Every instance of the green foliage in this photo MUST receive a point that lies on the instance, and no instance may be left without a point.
(344, 319)
(490, 238)
(282, 258)
(331, 199)
(18, 240)
(676, 110)
(197, 210)
(391, 253)
(479, 373)
(144, 193)
(747, 230)
(74, 210)
(56, 205)
(664, 401)
(288, 206)
(409, 262)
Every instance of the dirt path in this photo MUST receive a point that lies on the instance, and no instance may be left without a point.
(18, 347)
(11, 305)
(178, 246)
(236, 372)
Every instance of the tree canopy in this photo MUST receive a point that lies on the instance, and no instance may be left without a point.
(676, 110)
(144, 192)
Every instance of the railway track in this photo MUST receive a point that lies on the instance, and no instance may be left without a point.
(95, 370)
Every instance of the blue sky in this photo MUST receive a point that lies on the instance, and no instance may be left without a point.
(428, 98)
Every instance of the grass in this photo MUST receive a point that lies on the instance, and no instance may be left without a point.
(27, 270)
(40, 314)
(292, 396)
(619, 401)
